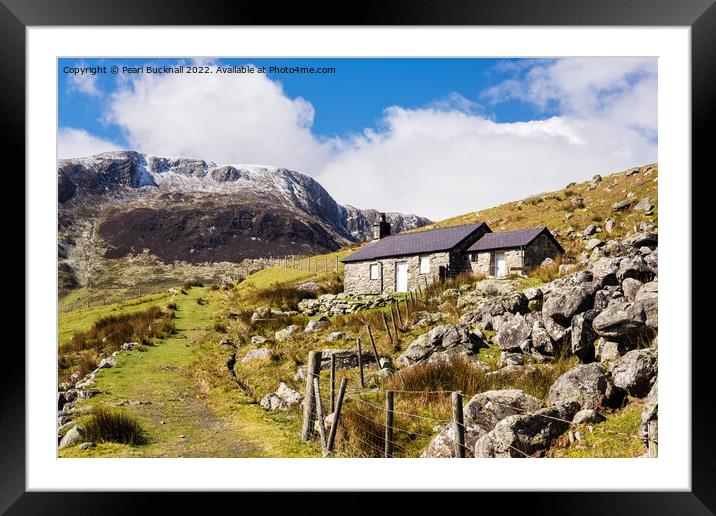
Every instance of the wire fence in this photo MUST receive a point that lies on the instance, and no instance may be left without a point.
(374, 427)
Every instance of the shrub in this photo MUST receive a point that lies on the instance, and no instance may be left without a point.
(201, 301)
(172, 306)
(193, 283)
(113, 426)
(219, 327)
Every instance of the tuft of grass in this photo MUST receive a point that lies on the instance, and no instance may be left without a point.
(113, 426)
(82, 352)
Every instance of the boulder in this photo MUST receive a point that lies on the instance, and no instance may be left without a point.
(592, 243)
(588, 417)
(650, 412)
(621, 321)
(525, 435)
(74, 435)
(283, 398)
(257, 340)
(643, 205)
(635, 372)
(510, 359)
(106, 363)
(441, 339)
(584, 336)
(515, 303)
(646, 303)
(634, 267)
(630, 287)
(621, 205)
(337, 335)
(652, 261)
(608, 350)
(587, 385)
(317, 324)
(643, 238)
(541, 341)
(287, 333)
(563, 304)
(87, 445)
(262, 312)
(533, 294)
(514, 333)
(480, 415)
(257, 354)
(605, 270)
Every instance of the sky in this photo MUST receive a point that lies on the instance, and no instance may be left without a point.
(436, 137)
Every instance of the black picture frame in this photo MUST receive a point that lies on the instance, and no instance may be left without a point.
(700, 15)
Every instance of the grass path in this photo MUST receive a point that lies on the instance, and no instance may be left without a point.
(182, 416)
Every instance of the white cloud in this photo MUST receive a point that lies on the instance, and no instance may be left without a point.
(84, 83)
(226, 118)
(75, 143)
(441, 160)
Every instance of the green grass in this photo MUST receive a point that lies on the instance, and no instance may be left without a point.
(201, 418)
(76, 321)
(618, 436)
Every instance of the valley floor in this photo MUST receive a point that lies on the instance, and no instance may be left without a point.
(183, 414)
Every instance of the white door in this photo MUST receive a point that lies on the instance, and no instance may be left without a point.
(401, 277)
(500, 264)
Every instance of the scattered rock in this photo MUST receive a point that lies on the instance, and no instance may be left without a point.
(317, 324)
(635, 372)
(481, 414)
(607, 350)
(87, 445)
(644, 205)
(524, 435)
(337, 335)
(621, 205)
(630, 287)
(106, 363)
(587, 385)
(74, 435)
(281, 399)
(454, 340)
(620, 321)
(257, 354)
(257, 340)
(584, 336)
(287, 333)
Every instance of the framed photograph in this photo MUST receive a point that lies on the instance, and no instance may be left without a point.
(281, 253)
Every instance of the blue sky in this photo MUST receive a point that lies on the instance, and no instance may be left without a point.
(499, 128)
(345, 102)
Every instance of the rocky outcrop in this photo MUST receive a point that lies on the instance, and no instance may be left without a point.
(451, 340)
(283, 398)
(588, 386)
(649, 413)
(524, 435)
(480, 415)
(635, 372)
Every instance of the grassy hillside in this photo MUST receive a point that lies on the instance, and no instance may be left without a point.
(560, 211)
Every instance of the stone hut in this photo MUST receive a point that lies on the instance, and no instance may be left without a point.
(507, 252)
(401, 263)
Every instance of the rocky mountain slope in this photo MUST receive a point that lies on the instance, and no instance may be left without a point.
(119, 204)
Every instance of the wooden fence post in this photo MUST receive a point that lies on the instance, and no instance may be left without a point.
(336, 263)
(388, 424)
(459, 424)
(387, 329)
(333, 382)
(313, 370)
(319, 412)
(395, 327)
(397, 309)
(407, 310)
(360, 363)
(336, 416)
(372, 343)
(653, 436)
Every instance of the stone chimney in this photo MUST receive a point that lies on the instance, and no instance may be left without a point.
(381, 228)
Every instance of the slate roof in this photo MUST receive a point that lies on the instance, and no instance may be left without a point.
(419, 242)
(510, 239)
